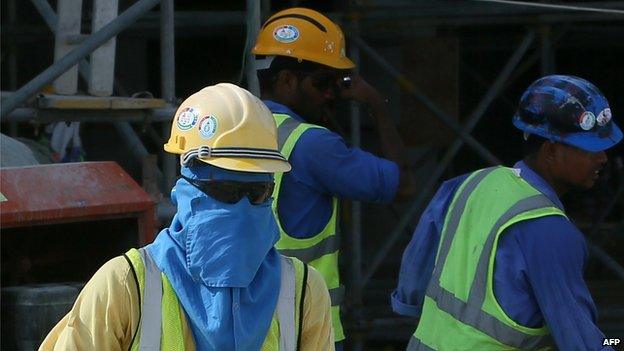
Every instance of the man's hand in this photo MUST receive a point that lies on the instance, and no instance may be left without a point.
(361, 91)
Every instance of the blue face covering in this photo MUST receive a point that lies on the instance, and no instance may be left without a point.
(221, 262)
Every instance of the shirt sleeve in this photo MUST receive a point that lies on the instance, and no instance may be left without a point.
(326, 164)
(104, 315)
(317, 333)
(555, 264)
(419, 255)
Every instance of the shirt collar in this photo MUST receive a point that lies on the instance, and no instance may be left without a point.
(531, 177)
(279, 108)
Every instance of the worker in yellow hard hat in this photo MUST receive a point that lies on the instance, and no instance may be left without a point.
(303, 73)
(212, 280)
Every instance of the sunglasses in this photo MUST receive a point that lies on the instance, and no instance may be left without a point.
(231, 192)
(323, 80)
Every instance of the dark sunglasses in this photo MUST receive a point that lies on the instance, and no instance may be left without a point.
(231, 192)
(323, 79)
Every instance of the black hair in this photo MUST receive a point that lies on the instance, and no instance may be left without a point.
(267, 77)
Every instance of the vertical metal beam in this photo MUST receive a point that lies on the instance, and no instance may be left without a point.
(167, 76)
(546, 50)
(93, 42)
(12, 12)
(430, 186)
(355, 285)
(412, 90)
(253, 27)
(50, 18)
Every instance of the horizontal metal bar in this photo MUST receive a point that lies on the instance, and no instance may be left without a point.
(26, 114)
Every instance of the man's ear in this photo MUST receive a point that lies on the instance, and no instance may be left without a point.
(551, 151)
(286, 81)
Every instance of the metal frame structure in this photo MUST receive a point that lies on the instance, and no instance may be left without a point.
(420, 15)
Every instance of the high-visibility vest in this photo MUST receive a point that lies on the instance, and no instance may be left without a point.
(460, 311)
(160, 325)
(321, 250)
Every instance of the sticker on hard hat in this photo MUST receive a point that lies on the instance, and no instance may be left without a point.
(587, 120)
(208, 127)
(286, 33)
(187, 118)
(604, 117)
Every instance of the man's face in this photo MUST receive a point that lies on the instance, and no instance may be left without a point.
(317, 94)
(576, 168)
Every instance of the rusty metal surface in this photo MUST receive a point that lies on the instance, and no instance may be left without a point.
(69, 192)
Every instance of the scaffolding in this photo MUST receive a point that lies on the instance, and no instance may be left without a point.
(544, 28)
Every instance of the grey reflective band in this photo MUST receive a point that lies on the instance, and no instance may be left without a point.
(204, 152)
(336, 295)
(286, 306)
(284, 130)
(151, 311)
(416, 345)
(483, 321)
(327, 246)
(479, 283)
(453, 222)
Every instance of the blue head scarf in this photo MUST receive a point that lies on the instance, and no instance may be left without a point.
(221, 262)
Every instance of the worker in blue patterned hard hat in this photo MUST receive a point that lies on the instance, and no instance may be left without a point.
(494, 262)
(212, 280)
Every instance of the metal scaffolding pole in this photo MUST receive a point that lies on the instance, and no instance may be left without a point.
(451, 152)
(93, 42)
(167, 76)
(355, 285)
(253, 27)
(412, 90)
(547, 53)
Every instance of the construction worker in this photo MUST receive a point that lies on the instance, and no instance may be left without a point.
(494, 263)
(212, 280)
(303, 71)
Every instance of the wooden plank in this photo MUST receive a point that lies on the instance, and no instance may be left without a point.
(69, 18)
(81, 102)
(102, 68)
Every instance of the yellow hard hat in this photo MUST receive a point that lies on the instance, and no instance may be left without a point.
(303, 34)
(226, 126)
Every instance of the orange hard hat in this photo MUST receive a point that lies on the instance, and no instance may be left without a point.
(303, 34)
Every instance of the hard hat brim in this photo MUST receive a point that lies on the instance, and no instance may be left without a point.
(255, 165)
(588, 141)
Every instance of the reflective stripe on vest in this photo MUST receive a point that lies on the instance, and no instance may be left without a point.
(151, 290)
(151, 310)
(471, 312)
(321, 250)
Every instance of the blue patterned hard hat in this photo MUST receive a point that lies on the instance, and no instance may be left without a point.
(569, 110)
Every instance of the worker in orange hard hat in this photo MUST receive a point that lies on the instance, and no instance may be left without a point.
(303, 73)
(212, 280)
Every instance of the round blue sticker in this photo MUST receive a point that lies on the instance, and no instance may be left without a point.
(286, 33)
(208, 127)
(587, 120)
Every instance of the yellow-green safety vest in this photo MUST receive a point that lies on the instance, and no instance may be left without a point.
(321, 250)
(460, 311)
(160, 325)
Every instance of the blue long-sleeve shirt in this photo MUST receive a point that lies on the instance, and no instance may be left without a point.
(323, 167)
(538, 275)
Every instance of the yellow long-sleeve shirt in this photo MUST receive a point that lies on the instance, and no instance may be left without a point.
(106, 314)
